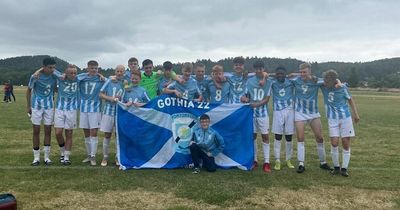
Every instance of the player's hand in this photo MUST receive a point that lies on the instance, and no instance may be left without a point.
(29, 111)
(115, 99)
(181, 81)
(138, 104)
(178, 94)
(209, 154)
(338, 84)
(244, 99)
(37, 73)
(102, 78)
(253, 105)
(129, 103)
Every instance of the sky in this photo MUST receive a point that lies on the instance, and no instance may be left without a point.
(183, 31)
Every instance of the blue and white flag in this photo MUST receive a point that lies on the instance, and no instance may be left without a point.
(158, 134)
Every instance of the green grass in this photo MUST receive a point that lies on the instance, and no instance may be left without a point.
(374, 180)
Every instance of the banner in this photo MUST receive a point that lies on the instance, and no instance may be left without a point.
(158, 134)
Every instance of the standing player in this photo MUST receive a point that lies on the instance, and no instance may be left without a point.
(133, 65)
(337, 110)
(201, 79)
(188, 89)
(111, 92)
(306, 112)
(135, 95)
(218, 90)
(258, 96)
(283, 117)
(238, 80)
(66, 111)
(90, 105)
(39, 98)
(166, 78)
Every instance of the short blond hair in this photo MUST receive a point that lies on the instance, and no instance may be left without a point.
(217, 68)
(304, 66)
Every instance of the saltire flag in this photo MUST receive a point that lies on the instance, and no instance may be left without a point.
(158, 134)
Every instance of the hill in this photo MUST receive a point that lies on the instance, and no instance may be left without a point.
(374, 74)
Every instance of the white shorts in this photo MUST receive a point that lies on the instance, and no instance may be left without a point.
(300, 116)
(89, 120)
(39, 115)
(341, 127)
(65, 119)
(107, 123)
(261, 125)
(283, 122)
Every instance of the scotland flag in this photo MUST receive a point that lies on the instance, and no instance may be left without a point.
(158, 134)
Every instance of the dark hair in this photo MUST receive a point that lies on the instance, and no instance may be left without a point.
(49, 61)
(133, 59)
(147, 62)
(92, 63)
(238, 60)
(280, 68)
(167, 65)
(258, 64)
(204, 117)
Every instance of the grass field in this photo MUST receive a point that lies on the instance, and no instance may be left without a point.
(374, 181)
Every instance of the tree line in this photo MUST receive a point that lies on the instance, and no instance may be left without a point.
(383, 73)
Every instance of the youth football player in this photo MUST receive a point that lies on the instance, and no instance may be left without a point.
(218, 90)
(258, 96)
(188, 89)
(135, 95)
(166, 78)
(39, 98)
(283, 115)
(201, 79)
(111, 92)
(90, 108)
(337, 101)
(306, 112)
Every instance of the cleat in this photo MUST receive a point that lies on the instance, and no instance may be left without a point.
(289, 164)
(67, 162)
(325, 166)
(300, 169)
(196, 171)
(277, 165)
(335, 171)
(47, 162)
(344, 172)
(35, 163)
(267, 168)
(255, 165)
(117, 162)
(61, 159)
(86, 160)
(104, 162)
(93, 161)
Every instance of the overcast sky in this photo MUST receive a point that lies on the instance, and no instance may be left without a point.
(113, 31)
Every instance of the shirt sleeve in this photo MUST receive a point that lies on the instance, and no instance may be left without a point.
(104, 87)
(145, 97)
(172, 85)
(347, 94)
(32, 81)
(220, 144)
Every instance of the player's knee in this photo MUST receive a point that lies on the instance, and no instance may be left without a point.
(288, 137)
(278, 137)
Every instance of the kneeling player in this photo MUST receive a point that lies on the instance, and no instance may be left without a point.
(206, 143)
(337, 101)
(283, 118)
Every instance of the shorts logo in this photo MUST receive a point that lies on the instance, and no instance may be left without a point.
(182, 131)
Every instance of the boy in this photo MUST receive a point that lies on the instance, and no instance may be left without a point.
(258, 96)
(150, 78)
(238, 80)
(111, 92)
(66, 111)
(135, 95)
(306, 112)
(133, 65)
(90, 107)
(201, 79)
(283, 117)
(337, 101)
(39, 98)
(218, 90)
(188, 89)
(206, 143)
(166, 78)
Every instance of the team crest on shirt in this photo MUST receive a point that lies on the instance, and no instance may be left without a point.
(182, 130)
